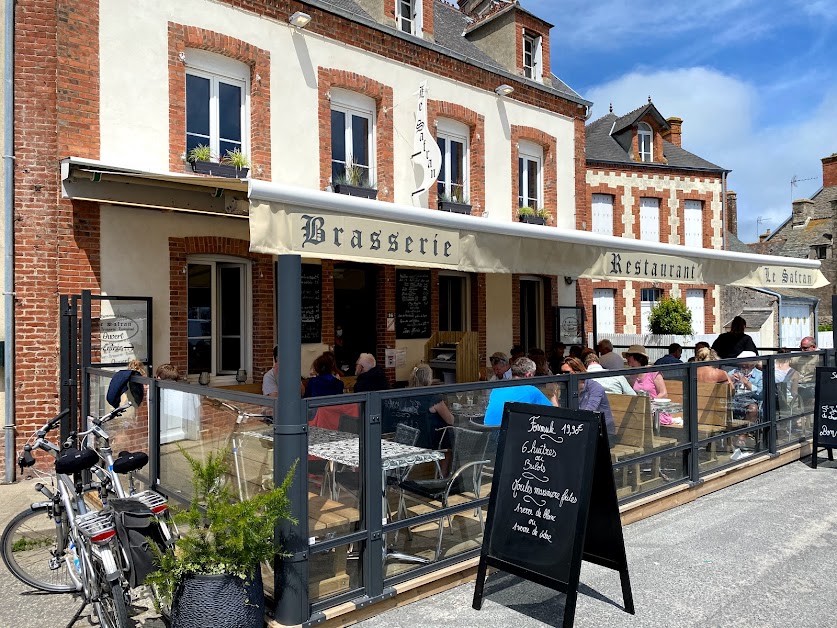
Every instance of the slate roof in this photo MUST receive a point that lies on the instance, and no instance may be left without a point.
(755, 317)
(631, 117)
(602, 146)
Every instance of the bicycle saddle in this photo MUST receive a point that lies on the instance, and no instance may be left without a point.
(73, 460)
(128, 461)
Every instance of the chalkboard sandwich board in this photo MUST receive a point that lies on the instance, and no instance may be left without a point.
(312, 279)
(553, 502)
(412, 306)
(825, 412)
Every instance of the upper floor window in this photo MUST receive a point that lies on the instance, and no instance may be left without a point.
(218, 325)
(532, 57)
(821, 251)
(649, 219)
(645, 139)
(408, 16)
(352, 138)
(452, 138)
(602, 214)
(529, 176)
(693, 227)
(217, 101)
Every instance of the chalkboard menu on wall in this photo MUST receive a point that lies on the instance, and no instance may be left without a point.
(825, 412)
(412, 304)
(552, 471)
(312, 279)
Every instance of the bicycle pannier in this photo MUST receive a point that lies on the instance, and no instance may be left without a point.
(137, 529)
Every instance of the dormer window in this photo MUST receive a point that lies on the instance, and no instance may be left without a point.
(408, 16)
(645, 142)
(532, 57)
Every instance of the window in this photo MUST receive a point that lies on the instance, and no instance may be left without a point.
(352, 138)
(532, 58)
(648, 297)
(645, 140)
(602, 214)
(604, 301)
(408, 16)
(821, 251)
(453, 302)
(529, 177)
(219, 327)
(649, 219)
(694, 302)
(531, 313)
(693, 223)
(217, 101)
(453, 175)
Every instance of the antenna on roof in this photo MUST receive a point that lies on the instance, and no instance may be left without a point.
(649, 99)
(794, 180)
(611, 107)
(759, 221)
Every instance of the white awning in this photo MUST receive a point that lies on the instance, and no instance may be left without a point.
(317, 224)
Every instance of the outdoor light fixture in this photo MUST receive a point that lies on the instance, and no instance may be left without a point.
(503, 90)
(300, 19)
(241, 376)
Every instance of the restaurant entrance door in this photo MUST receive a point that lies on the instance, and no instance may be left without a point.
(354, 313)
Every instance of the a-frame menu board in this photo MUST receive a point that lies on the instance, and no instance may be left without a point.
(553, 502)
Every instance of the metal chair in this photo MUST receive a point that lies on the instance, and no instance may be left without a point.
(468, 460)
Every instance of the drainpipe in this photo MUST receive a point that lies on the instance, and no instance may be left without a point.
(9, 234)
(724, 209)
(779, 297)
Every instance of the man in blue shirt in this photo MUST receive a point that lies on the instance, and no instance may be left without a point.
(673, 357)
(521, 369)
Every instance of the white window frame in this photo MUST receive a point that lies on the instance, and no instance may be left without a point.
(219, 69)
(646, 306)
(539, 305)
(246, 305)
(415, 20)
(533, 57)
(693, 223)
(649, 219)
(645, 142)
(466, 295)
(448, 131)
(527, 154)
(353, 104)
(698, 322)
(601, 210)
(600, 295)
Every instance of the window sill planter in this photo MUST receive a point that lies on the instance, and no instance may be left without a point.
(456, 208)
(532, 220)
(219, 170)
(354, 190)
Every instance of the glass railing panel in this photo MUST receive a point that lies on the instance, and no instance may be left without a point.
(334, 571)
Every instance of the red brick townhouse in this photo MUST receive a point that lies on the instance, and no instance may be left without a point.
(642, 184)
(320, 95)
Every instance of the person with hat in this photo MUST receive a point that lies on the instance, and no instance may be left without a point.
(500, 365)
(651, 383)
(746, 378)
(731, 343)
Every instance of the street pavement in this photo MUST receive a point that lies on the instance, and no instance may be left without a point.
(760, 553)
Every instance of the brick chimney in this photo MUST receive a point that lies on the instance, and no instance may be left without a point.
(674, 134)
(829, 171)
(802, 210)
(732, 212)
(764, 236)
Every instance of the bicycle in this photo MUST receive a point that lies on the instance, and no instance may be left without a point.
(58, 545)
(236, 443)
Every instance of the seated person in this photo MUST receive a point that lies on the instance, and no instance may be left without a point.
(270, 381)
(370, 376)
(522, 368)
(427, 412)
(592, 395)
(617, 384)
(501, 366)
(323, 383)
(747, 384)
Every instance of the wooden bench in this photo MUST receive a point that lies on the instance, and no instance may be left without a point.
(329, 516)
(629, 412)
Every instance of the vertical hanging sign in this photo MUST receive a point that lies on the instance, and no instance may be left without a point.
(426, 154)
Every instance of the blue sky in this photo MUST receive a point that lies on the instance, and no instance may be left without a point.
(755, 82)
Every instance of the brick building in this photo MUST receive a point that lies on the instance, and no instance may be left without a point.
(642, 184)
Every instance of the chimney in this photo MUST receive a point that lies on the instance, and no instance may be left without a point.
(829, 171)
(732, 213)
(803, 209)
(674, 133)
(764, 236)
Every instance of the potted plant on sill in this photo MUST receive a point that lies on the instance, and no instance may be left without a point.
(454, 202)
(213, 576)
(234, 165)
(529, 215)
(354, 182)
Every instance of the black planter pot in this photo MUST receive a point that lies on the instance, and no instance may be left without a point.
(354, 190)
(221, 601)
(219, 170)
(532, 220)
(456, 208)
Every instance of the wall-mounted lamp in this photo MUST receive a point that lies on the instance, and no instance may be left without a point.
(299, 19)
(503, 90)
(241, 376)
(203, 378)
(568, 280)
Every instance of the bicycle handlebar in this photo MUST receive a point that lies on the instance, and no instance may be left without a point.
(241, 414)
(110, 415)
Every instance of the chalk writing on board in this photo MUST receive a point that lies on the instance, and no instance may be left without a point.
(828, 412)
(413, 307)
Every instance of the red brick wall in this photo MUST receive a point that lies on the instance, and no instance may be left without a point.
(479, 314)
(476, 148)
(382, 95)
(829, 171)
(262, 296)
(182, 37)
(550, 173)
(515, 295)
(327, 302)
(526, 24)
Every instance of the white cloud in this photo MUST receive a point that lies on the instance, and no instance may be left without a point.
(720, 123)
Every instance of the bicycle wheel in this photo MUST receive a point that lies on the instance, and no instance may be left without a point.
(29, 546)
(109, 602)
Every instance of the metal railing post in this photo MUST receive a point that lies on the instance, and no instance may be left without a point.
(769, 400)
(373, 491)
(153, 432)
(86, 355)
(692, 416)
